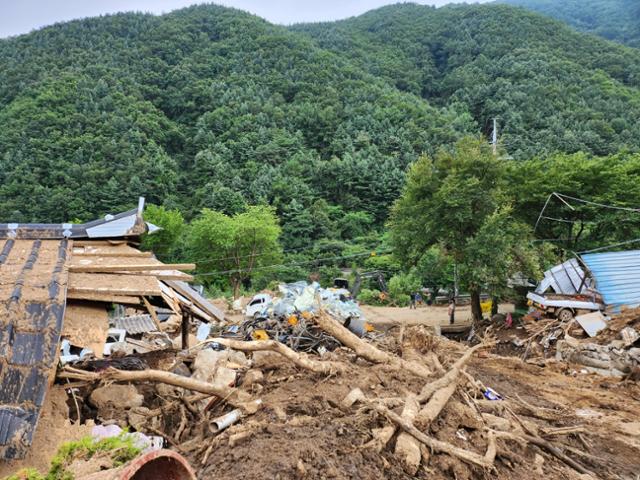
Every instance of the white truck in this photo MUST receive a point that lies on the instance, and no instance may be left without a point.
(565, 292)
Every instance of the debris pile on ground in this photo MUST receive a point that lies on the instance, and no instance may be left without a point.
(407, 403)
(287, 318)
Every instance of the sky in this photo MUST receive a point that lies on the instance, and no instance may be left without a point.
(22, 16)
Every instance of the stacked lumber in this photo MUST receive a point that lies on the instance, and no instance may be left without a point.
(114, 272)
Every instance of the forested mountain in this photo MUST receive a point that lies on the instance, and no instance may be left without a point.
(551, 88)
(213, 107)
(617, 20)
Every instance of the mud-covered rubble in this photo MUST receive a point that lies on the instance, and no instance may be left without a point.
(404, 404)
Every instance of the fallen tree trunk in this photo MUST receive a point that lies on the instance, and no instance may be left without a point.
(436, 445)
(449, 377)
(434, 406)
(366, 350)
(299, 359)
(234, 397)
(407, 447)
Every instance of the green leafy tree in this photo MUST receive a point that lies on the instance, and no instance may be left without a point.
(167, 241)
(457, 201)
(236, 246)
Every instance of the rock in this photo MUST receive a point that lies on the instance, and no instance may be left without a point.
(137, 417)
(224, 377)
(181, 369)
(206, 363)
(302, 471)
(239, 358)
(267, 359)
(252, 377)
(116, 396)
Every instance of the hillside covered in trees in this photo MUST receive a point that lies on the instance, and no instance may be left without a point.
(213, 107)
(617, 20)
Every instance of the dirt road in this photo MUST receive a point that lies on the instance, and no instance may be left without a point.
(431, 316)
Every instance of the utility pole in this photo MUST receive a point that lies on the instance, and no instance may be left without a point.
(494, 140)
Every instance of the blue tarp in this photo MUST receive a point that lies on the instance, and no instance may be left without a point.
(617, 276)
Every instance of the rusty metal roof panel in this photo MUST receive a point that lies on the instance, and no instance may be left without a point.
(33, 280)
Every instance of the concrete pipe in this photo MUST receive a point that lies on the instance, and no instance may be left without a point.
(155, 465)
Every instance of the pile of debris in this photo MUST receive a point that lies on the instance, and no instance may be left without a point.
(287, 318)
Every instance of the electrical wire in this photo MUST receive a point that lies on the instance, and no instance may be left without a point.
(292, 264)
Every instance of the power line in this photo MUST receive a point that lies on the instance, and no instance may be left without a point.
(292, 264)
(290, 250)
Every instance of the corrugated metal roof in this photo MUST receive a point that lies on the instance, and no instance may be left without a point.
(136, 324)
(566, 278)
(33, 280)
(617, 276)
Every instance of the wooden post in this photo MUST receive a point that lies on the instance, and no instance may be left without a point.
(186, 315)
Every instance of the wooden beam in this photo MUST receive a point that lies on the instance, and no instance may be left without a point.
(130, 268)
(184, 327)
(106, 298)
(114, 254)
(152, 311)
(110, 284)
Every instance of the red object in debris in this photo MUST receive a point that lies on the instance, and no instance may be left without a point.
(155, 465)
(509, 320)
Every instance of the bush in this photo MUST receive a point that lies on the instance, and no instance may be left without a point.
(372, 297)
(401, 300)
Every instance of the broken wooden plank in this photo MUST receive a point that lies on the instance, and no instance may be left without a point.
(152, 311)
(86, 325)
(112, 284)
(192, 295)
(98, 268)
(160, 274)
(106, 298)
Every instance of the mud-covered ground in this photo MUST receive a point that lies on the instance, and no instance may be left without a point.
(304, 433)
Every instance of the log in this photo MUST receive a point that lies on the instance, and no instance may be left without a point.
(299, 359)
(451, 376)
(366, 350)
(407, 447)
(435, 405)
(233, 396)
(432, 443)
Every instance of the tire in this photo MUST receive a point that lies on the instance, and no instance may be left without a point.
(565, 315)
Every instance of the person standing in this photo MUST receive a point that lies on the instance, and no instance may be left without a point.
(412, 296)
(452, 311)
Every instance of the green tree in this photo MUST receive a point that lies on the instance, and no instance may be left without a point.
(457, 201)
(236, 245)
(169, 239)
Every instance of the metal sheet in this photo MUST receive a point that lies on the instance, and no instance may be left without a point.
(617, 277)
(136, 324)
(566, 279)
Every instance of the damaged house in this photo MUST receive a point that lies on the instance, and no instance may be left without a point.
(62, 283)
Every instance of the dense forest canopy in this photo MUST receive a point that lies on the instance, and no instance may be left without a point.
(213, 108)
(617, 20)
